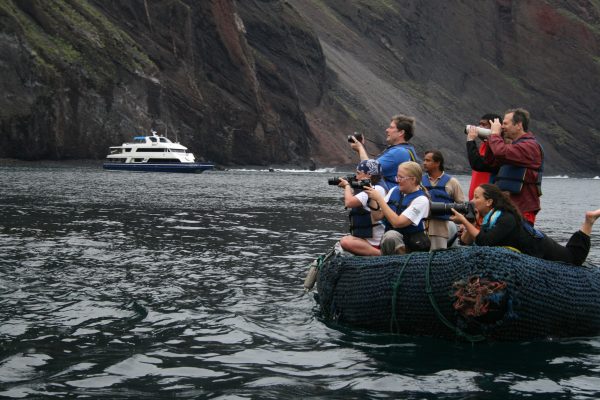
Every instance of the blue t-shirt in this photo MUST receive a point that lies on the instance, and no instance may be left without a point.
(390, 159)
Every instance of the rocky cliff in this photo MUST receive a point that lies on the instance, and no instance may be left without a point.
(278, 82)
(78, 76)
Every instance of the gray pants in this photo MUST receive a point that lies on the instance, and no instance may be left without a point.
(391, 243)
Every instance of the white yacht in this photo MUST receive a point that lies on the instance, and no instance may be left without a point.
(153, 153)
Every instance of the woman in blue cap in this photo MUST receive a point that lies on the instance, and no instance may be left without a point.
(366, 228)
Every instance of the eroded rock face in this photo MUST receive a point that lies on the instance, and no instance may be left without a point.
(79, 77)
(448, 63)
(263, 82)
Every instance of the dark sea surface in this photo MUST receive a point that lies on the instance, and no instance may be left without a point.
(149, 285)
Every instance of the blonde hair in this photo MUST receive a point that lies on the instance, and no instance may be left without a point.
(414, 169)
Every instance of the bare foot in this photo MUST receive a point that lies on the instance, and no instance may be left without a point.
(592, 216)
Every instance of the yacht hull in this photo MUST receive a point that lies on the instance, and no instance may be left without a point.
(158, 167)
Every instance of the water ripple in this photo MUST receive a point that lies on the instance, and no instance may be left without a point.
(154, 285)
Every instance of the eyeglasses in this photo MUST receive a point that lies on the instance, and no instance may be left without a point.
(402, 178)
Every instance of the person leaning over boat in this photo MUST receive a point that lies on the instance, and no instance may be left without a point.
(366, 227)
(398, 150)
(405, 208)
(442, 188)
(520, 162)
(503, 225)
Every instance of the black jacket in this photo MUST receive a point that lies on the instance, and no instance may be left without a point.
(476, 160)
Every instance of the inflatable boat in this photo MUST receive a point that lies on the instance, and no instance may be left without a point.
(470, 293)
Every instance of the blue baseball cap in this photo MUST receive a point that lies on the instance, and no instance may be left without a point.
(370, 166)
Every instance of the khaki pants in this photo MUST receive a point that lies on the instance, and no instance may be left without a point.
(438, 242)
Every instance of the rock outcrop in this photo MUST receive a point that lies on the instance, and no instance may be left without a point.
(283, 82)
(449, 63)
(80, 76)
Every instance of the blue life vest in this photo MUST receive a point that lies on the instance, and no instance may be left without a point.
(361, 224)
(511, 178)
(411, 150)
(399, 202)
(389, 181)
(438, 192)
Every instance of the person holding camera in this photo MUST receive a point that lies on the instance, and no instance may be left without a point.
(503, 225)
(442, 188)
(398, 150)
(481, 171)
(366, 227)
(405, 208)
(520, 162)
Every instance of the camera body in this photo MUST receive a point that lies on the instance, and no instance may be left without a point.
(483, 133)
(336, 181)
(354, 183)
(357, 135)
(466, 208)
(361, 184)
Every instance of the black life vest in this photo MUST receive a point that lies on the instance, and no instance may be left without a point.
(510, 178)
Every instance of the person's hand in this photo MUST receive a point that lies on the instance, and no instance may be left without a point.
(472, 132)
(457, 217)
(496, 126)
(373, 194)
(343, 182)
(356, 145)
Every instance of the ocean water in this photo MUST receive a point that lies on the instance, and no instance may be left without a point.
(149, 285)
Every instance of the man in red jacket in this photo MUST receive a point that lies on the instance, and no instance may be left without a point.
(520, 162)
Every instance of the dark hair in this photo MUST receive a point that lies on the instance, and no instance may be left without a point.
(500, 200)
(520, 115)
(406, 124)
(437, 157)
(375, 179)
(490, 116)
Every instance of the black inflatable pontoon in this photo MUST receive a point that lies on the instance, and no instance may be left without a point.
(472, 293)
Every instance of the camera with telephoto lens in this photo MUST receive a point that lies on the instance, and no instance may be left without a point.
(466, 208)
(336, 181)
(357, 135)
(360, 184)
(354, 183)
(483, 133)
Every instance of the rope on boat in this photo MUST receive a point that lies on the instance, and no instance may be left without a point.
(395, 286)
(438, 313)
